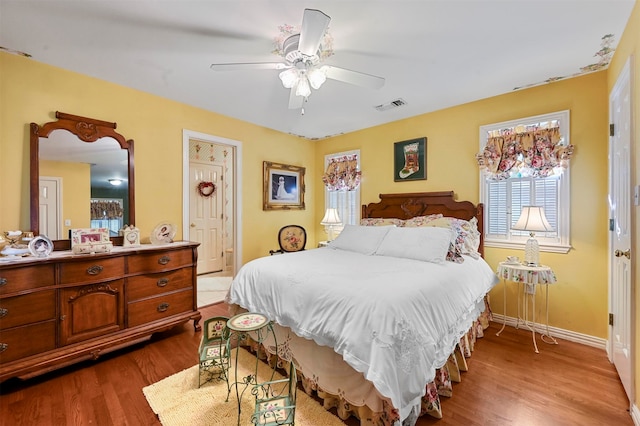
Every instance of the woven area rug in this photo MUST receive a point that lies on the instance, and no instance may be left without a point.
(178, 401)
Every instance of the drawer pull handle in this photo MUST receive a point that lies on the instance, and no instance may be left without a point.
(163, 282)
(94, 270)
(164, 260)
(163, 307)
(4, 312)
(3, 281)
(3, 347)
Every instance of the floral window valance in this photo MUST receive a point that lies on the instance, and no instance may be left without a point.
(537, 152)
(342, 173)
(110, 209)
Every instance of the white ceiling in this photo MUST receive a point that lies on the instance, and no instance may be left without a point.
(433, 53)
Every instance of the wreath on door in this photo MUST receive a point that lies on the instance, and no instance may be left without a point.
(206, 189)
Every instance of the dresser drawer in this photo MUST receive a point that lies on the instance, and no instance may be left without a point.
(149, 285)
(30, 308)
(20, 342)
(90, 271)
(156, 262)
(160, 307)
(20, 279)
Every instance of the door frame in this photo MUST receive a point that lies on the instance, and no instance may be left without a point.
(236, 193)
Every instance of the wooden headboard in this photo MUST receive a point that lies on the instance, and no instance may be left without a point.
(408, 205)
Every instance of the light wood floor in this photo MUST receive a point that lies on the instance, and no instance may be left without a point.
(507, 384)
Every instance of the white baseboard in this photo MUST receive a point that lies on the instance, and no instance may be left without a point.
(560, 333)
(635, 414)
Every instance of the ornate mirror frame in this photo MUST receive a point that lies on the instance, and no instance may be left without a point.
(87, 130)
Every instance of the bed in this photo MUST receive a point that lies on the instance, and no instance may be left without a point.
(381, 320)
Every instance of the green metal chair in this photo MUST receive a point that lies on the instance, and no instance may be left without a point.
(276, 400)
(214, 351)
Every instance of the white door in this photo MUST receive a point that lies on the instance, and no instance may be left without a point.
(206, 216)
(50, 216)
(620, 197)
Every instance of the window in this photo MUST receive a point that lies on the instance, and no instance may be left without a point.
(107, 213)
(515, 177)
(342, 185)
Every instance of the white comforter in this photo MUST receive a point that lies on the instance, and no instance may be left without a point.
(394, 320)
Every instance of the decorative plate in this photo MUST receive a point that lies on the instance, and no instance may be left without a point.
(163, 233)
(40, 246)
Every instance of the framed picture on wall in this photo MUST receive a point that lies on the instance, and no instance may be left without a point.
(283, 186)
(410, 160)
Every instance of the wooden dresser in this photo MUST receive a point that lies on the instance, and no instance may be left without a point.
(67, 308)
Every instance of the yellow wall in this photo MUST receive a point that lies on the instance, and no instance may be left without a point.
(629, 48)
(32, 92)
(76, 196)
(578, 303)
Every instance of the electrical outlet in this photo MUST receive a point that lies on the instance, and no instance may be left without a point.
(67, 222)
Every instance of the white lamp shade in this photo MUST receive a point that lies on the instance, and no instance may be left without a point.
(532, 219)
(303, 88)
(316, 77)
(289, 77)
(331, 218)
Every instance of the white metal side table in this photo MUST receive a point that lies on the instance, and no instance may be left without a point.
(527, 278)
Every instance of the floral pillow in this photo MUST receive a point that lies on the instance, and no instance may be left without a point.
(418, 221)
(465, 237)
(378, 221)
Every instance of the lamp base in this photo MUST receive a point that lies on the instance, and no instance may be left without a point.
(532, 253)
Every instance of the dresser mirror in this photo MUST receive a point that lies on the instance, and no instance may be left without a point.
(82, 176)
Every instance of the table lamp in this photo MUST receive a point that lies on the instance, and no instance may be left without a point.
(532, 219)
(331, 220)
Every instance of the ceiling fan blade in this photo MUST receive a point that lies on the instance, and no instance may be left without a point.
(295, 102)
(249, 66)
(353, 77)
(314, 25)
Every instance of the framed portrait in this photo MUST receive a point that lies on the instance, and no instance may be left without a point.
(283, 187)
(410, 160)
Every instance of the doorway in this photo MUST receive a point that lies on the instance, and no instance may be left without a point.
(211, 205)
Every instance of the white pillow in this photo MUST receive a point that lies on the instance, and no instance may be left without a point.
(428, 244)
(361, 239)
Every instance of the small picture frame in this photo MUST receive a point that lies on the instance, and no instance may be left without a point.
(40, 246)
(89, 236)
(410, 160)
(283, 187)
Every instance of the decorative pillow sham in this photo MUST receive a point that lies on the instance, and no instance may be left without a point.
(360, 239)
(466, 238)
(428, 244)
(418, 221)
(378, 221)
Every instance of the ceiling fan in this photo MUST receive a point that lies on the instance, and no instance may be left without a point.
(302, 69)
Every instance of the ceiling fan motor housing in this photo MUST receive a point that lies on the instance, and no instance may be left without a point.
(293, 55)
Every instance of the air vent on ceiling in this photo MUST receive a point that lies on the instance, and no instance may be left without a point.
(393, 104)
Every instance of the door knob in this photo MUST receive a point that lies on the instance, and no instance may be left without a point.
(193, 225)
(620, 253)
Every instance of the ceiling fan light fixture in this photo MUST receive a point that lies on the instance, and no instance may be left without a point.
(289, 77)
(316, 77)
(303, 88)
